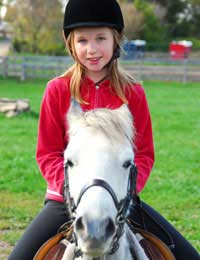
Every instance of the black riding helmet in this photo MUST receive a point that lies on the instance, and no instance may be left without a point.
(92, 13)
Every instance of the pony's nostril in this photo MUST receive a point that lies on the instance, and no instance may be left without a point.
(110, 227)
(79, 224)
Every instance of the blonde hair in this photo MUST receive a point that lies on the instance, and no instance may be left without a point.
(118, 77)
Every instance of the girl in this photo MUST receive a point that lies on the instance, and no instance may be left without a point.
(92, 32)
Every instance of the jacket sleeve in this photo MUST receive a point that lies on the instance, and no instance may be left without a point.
(51, 138)
(144, 151)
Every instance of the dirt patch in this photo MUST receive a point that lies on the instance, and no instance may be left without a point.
(5, 250)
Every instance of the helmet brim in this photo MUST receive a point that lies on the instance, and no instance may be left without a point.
(69, 28)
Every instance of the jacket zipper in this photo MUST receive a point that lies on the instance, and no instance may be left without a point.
(96, 99)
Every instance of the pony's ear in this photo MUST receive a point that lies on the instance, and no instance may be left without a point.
(74, 113)
(126, 119)
(75, 108)
(123, 112)
(123, 109)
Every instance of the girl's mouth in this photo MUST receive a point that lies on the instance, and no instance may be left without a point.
(93, 60)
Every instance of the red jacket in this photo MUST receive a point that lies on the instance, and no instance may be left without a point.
(52, 132)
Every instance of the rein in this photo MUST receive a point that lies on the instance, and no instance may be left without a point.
(121, 206)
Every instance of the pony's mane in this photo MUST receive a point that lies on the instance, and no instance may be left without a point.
(115, 124)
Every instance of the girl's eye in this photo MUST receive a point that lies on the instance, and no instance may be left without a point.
(101, 38)
(81, 41)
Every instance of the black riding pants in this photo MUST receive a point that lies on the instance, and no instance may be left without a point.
(54, 214)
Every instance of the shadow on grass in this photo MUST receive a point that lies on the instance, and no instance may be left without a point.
(29, 114)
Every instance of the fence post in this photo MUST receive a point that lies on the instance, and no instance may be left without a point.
(5, 67)
(23, 69)
(141, 68)
(185, 67)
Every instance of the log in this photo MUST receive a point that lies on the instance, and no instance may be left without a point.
(12, 107)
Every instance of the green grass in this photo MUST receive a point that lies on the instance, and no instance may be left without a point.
(173, 188)
(174, 185)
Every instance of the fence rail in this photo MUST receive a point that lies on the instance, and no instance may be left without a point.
(33, 67)
(145, 68)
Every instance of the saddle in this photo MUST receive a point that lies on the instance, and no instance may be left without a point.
(55, 247)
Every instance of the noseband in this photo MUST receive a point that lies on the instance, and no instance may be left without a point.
(121, 206)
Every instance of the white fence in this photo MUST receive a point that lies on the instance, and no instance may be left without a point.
(26, 67)
(160, 68)
(165, 70)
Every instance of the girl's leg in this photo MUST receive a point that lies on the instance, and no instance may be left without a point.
(164, 230)
(43, 227)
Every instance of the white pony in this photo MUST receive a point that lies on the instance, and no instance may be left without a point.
(98, 160)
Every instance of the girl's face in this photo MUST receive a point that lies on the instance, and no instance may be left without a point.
(94, 49)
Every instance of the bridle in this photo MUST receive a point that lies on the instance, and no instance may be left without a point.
(121, 206)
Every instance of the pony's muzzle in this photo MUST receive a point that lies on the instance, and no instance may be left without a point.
(95, 232)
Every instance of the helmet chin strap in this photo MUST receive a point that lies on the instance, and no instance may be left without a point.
(116, 55)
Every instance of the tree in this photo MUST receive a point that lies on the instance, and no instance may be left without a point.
(162, 20)
(37, 25)
(177, 17)
(2, 4)
(182, 17)
(194, 17)
(133, 19)
(153, 30)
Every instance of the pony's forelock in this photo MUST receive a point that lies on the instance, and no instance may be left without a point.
(115, 124)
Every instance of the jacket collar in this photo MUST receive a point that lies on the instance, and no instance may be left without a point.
(90, 83)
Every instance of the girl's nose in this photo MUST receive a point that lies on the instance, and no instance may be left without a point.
(92, 48)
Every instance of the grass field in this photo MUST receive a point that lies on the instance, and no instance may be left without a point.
(174, 185)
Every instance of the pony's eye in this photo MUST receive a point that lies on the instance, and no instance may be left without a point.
(70, 163)
(126, 164)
